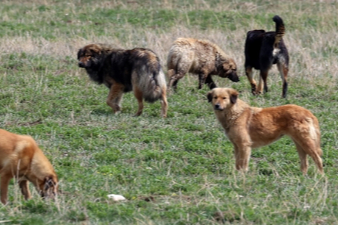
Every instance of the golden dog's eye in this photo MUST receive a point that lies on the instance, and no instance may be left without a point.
(224, 98)
(215, 97)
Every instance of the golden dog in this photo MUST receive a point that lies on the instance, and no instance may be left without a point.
(20, 157)
(250, 127)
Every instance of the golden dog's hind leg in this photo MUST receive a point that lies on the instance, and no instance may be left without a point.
(303, 158)
(309, 147)
(4, 188)
(115, 96)
(139, 96)
(24, 189)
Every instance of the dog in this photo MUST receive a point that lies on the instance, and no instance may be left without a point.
(262, 50)
(199, 57)
(251, 127)
(20, 157)
(138, 70)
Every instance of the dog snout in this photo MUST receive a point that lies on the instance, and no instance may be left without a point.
(233, 77)
(218, 106)
(81, 64)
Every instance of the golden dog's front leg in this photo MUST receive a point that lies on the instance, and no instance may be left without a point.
(242, 154)
(24, 189)
(4, 188)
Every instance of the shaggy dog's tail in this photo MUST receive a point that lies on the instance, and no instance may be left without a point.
(280, 29)
(151, 79)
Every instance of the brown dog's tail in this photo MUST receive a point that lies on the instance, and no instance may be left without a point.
(280, 29)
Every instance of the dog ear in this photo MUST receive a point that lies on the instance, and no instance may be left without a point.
(233, 96)
(49, 182)
(209, 96)
(79, 53)
(226, 66)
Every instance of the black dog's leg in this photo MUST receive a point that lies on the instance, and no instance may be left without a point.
(283, 70)
(264, 76)
(249, 74)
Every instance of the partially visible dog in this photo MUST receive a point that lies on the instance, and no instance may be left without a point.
(199, 57)
(250, 127)
(262, 50)
(138, 70)
(20, 157)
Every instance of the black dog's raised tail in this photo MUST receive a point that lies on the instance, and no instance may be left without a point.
(280, 29)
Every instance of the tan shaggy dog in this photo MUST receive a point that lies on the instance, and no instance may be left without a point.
(199, 57)
(20, 157)
(251, 127)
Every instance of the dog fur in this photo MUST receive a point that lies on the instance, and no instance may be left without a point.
(262, 50)
(20, 157)
(199, 57)
(138, 70)
(251, 127)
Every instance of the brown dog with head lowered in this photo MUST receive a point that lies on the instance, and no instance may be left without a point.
(20, 157)
(251, 127)
(199, 57)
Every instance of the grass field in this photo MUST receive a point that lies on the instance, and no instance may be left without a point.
(178, 170)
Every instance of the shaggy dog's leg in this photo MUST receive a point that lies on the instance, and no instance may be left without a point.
(139, 96)
(115, 96)
(174, 79)
(209, 81)
(202, 77)
(24, 189)
(164, 104)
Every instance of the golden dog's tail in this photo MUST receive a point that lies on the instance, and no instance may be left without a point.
(280, 29)
(315, 133)
(150, 77)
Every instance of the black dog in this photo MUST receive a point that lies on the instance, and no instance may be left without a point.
(262, 49)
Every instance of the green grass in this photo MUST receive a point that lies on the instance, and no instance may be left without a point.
(178, 170)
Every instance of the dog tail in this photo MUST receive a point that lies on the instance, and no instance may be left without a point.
(280, 29)
(151, 79)
(315, 133)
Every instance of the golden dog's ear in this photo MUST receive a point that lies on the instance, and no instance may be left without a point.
(233, 96)
(209, 96)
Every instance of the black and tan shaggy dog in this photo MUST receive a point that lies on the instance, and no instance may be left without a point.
(199, 57)
(22, 159)
(262, 50)
(138, 70)
(251, 127)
